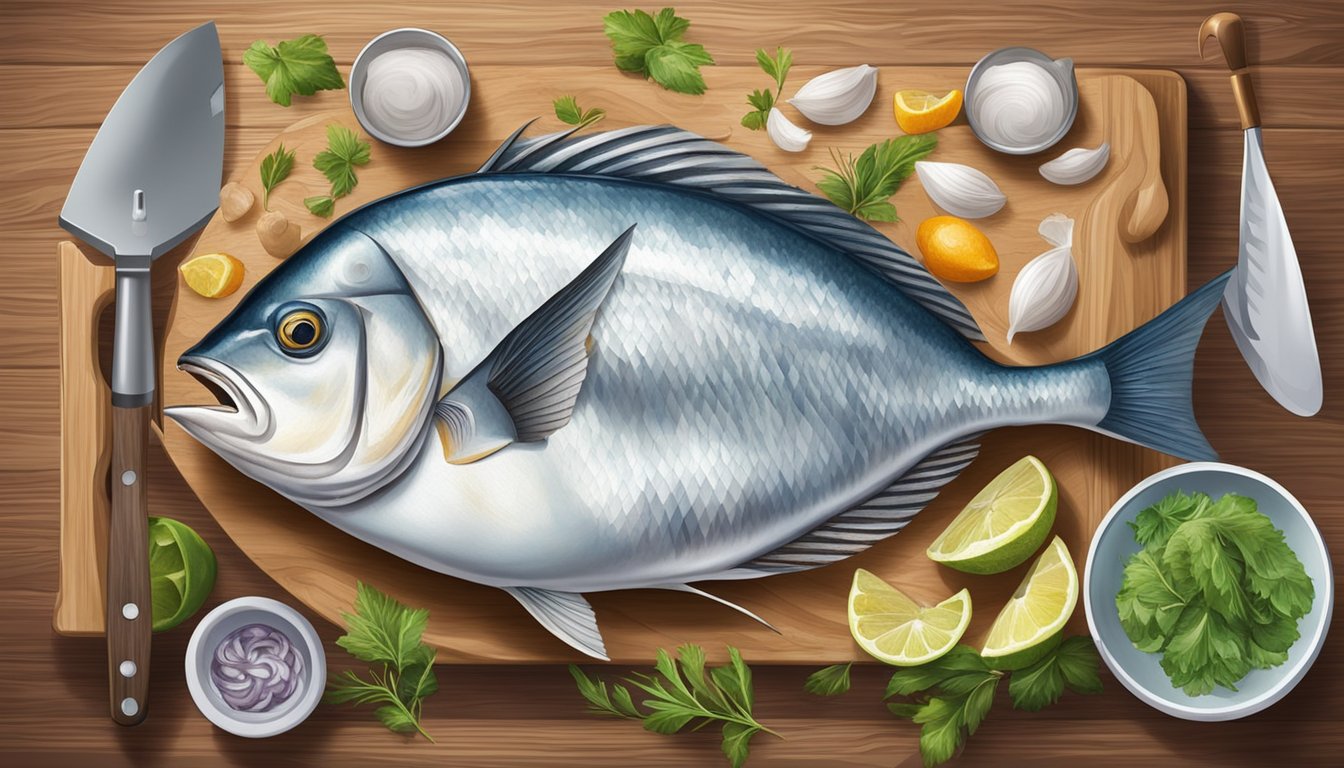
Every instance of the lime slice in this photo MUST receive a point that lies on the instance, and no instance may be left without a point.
(1033, 620)
(181, 571)
(895, 629)
(1003, 524)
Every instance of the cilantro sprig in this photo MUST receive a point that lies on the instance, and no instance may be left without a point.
(681, 694)
(300, 66)
(1216, 590)
(568, 111)
(386, 633)
(337, 162)
(652, 46)
(864, 187)
(951, 696)
(762, 101)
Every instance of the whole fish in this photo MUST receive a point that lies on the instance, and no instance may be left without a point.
(634, 359)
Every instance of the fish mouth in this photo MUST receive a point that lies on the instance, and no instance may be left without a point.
(240, 410)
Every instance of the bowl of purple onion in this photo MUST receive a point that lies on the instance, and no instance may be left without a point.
(255, 667)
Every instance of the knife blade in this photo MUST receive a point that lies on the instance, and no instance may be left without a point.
(1265, 302)
(149, 180)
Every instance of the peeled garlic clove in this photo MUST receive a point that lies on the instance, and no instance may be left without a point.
(960, 189)
(785, 134)
(838, 97)
(1077, 165)
(1043, 292)
(1057, 230)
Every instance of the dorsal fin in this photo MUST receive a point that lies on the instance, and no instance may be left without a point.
(668, 155)
(860, 527)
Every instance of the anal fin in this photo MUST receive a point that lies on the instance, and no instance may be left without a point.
(860, 527)
(567, 615)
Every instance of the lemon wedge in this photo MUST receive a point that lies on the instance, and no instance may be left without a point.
(1032, 622)
(213, 275)
(893, 628)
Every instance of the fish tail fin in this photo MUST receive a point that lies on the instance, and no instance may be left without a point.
(1151, 370)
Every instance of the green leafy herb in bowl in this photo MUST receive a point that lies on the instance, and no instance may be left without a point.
(1209, 591)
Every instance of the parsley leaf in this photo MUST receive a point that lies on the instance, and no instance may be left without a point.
(384, 632)
(862, 187)
(1074, 664)
(320, 205)
(300, 66)
(275, 168)
(949, 719)
(681, 694)
(1216, 590)
(337, 162)
(567, 109)
(828, 681)
(762, 102)
(652, 46)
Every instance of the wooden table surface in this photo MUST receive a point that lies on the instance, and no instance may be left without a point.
(62, 64)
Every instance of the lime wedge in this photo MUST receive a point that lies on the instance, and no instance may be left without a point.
(895, 629)
(181, 572)
(1033, 620)
(1003, 524)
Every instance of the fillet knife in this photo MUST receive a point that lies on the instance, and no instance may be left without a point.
(150, 179)
(1265, 302)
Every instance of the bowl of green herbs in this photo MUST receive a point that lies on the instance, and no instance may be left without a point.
(1208, 591)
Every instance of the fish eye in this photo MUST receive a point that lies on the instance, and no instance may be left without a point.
(299, 331)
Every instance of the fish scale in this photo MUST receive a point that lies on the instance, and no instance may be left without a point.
(669, 367)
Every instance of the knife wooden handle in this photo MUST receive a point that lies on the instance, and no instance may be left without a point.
(1230, 33)
(129, 606)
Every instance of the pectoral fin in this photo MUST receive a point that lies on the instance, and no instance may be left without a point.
(566, 614)
(526, 388)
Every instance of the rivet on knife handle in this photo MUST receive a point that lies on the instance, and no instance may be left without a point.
(129, 607)
(1230, 33)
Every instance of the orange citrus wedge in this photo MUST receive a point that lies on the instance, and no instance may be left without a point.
(922, 112)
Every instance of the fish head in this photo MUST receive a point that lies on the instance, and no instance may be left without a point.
(326, 372)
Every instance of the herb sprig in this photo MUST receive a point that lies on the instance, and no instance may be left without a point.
(275, 168)
(763, 101)
(386, 633)
(864, 187)
(1216, 590)
(300, 66)
(681, 694)
(951, 696)
(568, 111)
(337, 162)
(652, 46)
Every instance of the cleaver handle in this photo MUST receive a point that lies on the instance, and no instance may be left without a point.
(130, 614)
(1230, 33)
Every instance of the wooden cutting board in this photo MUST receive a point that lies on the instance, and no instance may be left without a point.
(1130, 250)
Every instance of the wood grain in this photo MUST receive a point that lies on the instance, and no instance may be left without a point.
(512, 715)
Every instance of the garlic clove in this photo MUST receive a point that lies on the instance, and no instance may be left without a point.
(1043, 292)
(838, 97)
(785, 134)
(960, 189)
(1077, 165)
(1057, 230)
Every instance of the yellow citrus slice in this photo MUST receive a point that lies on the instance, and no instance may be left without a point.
(1003, 524)
(1033, 620)
(922, 112)
(213, 275)
(892, 628)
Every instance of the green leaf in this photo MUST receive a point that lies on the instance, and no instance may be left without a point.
(1149, 601)
(1073, 663)
(652, 46)
(347, 688)
(382, 629)
(396, 719)
(737, 742)
(961, 660)
(947, 721)
(761, 100)
(863, 186)
(617, 703)
(754, 120)
(321, 205)
(1195, 554)
(777, 66)
(1204, 652)
(1155, 524)
(829, 681)
(1078, 660)
(568, 111)
(1272, 570)
(275, 168)
(337, 162)
(417, 681)
(300, 66)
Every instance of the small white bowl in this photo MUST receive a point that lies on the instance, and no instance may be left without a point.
(1140, 671)
(215, 627)
(1060, 69)
(406, 37)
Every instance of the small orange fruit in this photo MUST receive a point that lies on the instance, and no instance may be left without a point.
(955, 250)
(213, 275)
(922, 112)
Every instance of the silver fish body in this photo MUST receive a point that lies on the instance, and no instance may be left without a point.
(755, 399)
